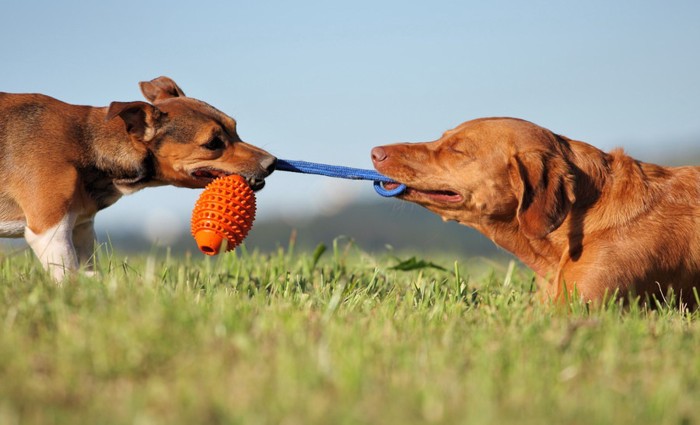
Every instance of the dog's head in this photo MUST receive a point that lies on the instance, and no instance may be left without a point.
(190, 142)
(486, 170)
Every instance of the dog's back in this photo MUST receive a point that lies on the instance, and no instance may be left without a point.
(33, 143)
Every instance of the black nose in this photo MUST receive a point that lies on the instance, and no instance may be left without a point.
(269, 164)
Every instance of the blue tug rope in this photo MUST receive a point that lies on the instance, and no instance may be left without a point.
(341, 172)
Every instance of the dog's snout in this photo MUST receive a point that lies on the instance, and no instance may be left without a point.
(378, 154)
(269, 164)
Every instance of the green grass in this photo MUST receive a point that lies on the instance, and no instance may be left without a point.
(334, 338)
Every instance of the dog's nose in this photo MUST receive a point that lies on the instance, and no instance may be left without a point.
(269, 164)
(378, 154)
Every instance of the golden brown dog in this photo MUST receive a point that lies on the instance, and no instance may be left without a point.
(61, 163)
(601, 223)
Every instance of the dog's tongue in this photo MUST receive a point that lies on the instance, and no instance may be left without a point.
(390, 185)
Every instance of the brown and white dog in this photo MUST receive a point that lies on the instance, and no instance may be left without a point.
(60, 164)
(600, 223)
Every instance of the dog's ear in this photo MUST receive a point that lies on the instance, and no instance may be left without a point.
(140, 118)
(544, 185)
(160, 88)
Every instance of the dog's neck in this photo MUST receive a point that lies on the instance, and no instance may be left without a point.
(541, 255)
(602, 180)
(604, 184)
(129, 163)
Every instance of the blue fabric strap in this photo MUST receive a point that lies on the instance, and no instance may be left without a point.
(342, 173)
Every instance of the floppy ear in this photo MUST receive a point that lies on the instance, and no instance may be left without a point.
(160, 88)
(141, 119)
(544, 185)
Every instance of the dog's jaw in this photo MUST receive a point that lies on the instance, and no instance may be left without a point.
(206, 175)
(438, 196)
(127, 188)
(425, 194)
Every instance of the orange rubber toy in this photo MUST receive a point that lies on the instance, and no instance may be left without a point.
(225, 210)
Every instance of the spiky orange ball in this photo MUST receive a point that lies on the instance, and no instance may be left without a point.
(225, 210)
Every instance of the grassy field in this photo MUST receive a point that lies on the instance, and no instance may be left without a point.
(339, 337)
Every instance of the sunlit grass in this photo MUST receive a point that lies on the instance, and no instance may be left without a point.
(332, 338)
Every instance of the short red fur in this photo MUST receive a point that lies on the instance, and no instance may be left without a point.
(587, 222)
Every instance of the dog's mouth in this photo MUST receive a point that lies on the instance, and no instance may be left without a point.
(435, 195)
(208, 174)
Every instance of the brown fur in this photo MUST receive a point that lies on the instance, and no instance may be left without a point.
(601, 223)
(63, 160)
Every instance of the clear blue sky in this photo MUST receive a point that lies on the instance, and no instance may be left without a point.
(326, 81)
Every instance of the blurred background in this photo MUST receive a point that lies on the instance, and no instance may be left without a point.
(326, 81)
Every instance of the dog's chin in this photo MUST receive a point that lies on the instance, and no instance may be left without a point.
(256, 184)
(204, 176)
(427, 196)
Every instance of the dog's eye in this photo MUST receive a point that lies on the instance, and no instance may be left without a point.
(214, 144)
(453, 149)
(456, 150)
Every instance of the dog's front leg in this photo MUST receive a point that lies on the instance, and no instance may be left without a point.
(84, 242)
(54, 247)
